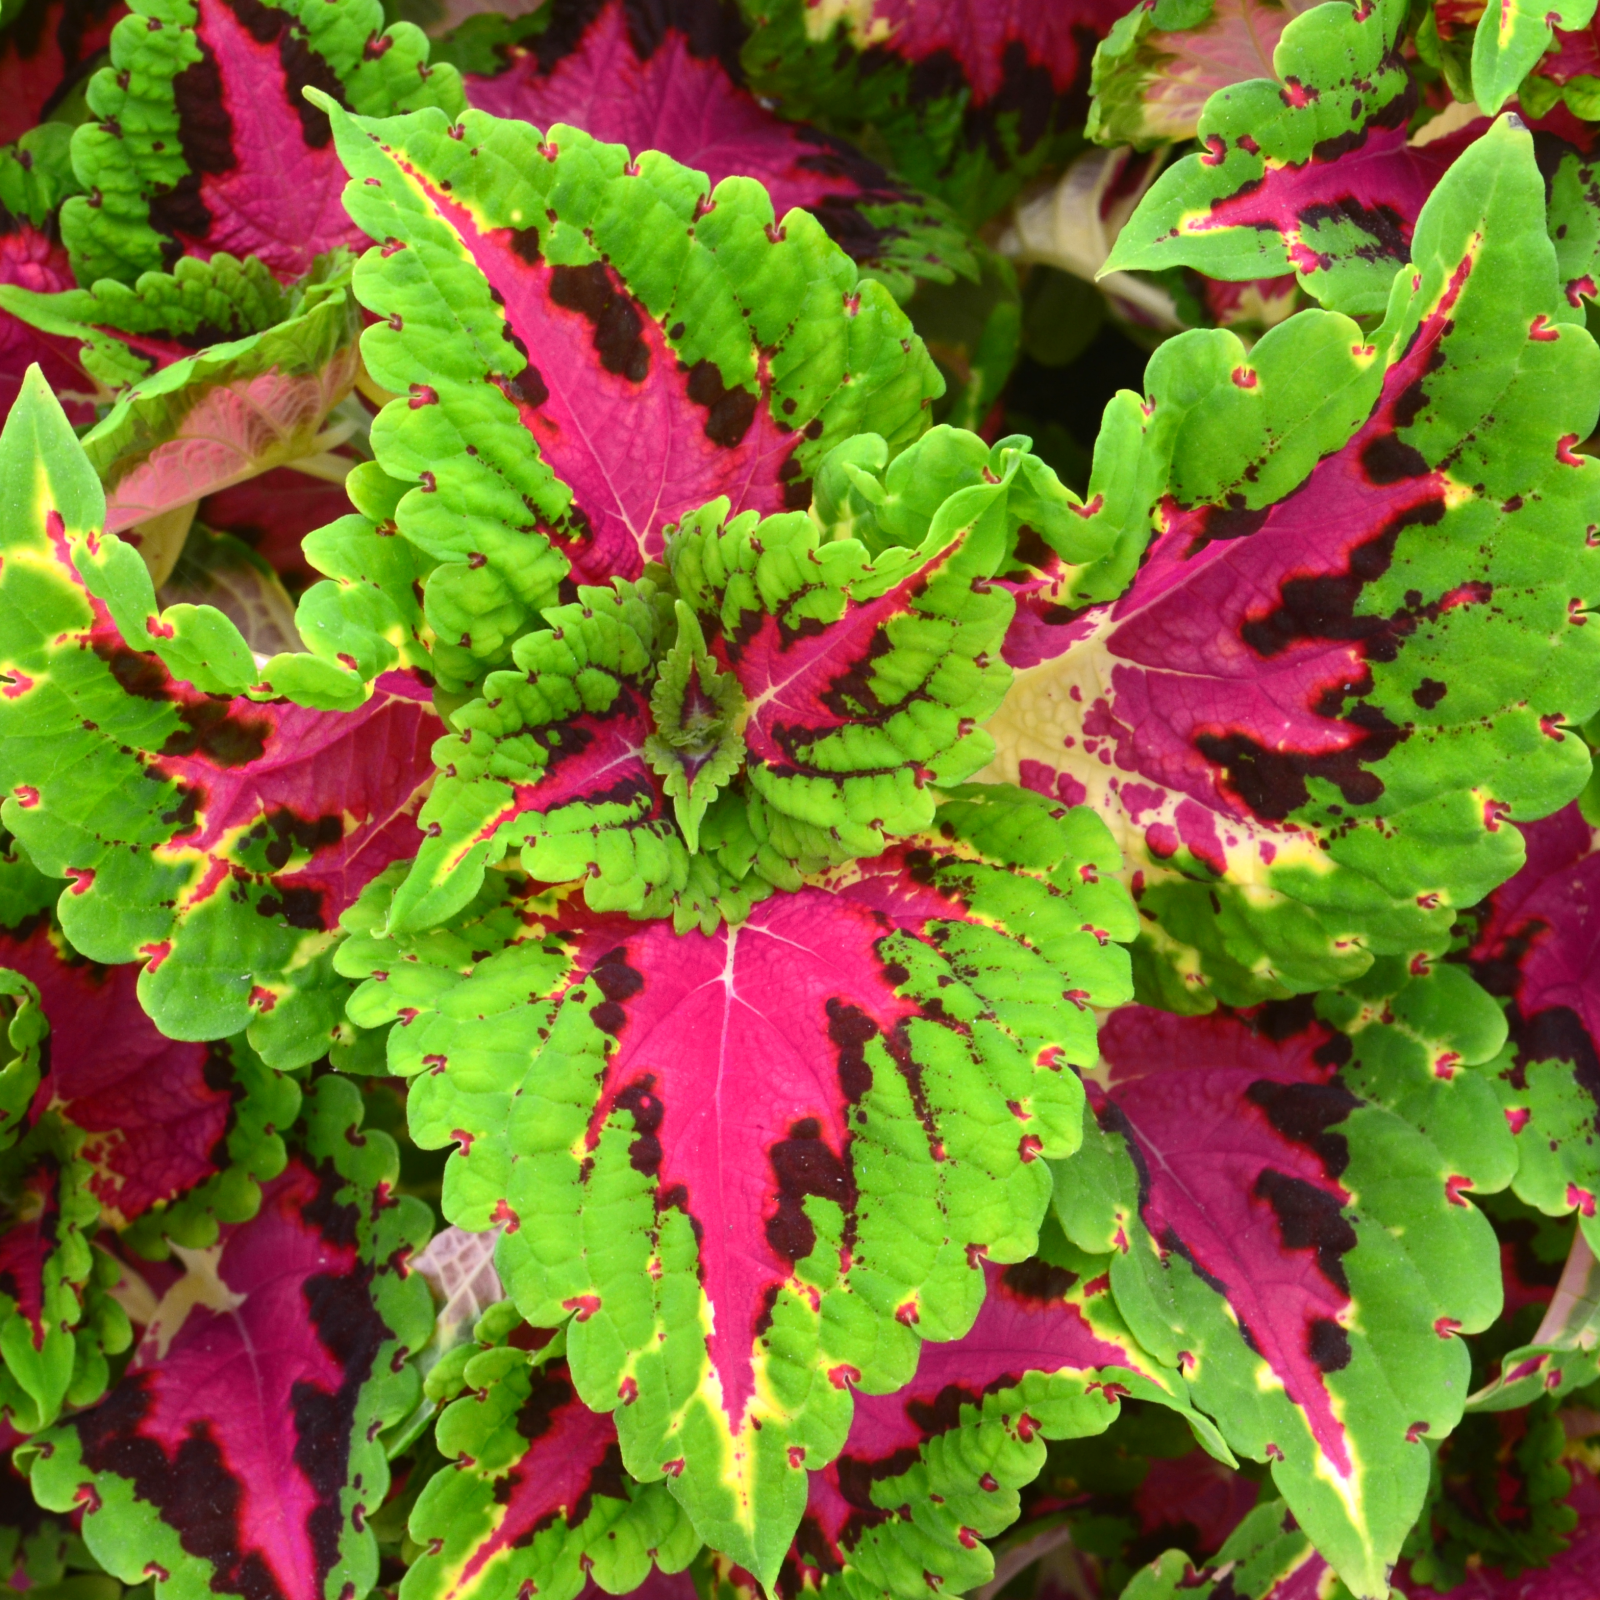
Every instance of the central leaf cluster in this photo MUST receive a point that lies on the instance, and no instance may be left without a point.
(779, 696)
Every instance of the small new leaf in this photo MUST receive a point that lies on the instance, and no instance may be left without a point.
(698, 712)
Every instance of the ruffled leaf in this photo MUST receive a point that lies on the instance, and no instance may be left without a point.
(673, 82)
(46, 1264)
(226, 414)
(533, 317)
(930, 1471)
(116, 334)
(37, 1548)
(534, 1493)
(1301, 1254)
(217, 839)
(183, 1131)
(206, 144)
(366, 618)
(760, 1165)
(239, 1450)
(1334, 679)
(844, 677)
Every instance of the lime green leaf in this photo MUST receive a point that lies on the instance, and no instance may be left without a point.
(542, 300)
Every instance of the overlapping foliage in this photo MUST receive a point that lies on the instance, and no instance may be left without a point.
(686, 906)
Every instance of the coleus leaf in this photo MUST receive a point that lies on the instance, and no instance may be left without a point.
(1302, 1254)
(1339, 205)
(1268, 1557)
(27, 1028)
(534, 313)
(1510, 39)
(1343, 653)
(1537, 947)
(366, 617)
(239, 1450)
(205, 143)
(534, 1493)
(170, 1135)
(844, 677)
(459, 1267)
(1074, 225)
(229, 412)
(46, 48)
(1416, 1033)
(36, 173)
(669, 79)
(1308, 170)
(1161, 63)
(968, 96)
(217, 840)
(116, 334)
(356, 627)
(35, 176)
(742, 1244)
(931, 1471)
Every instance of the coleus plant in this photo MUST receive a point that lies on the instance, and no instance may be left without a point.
(960, 1014)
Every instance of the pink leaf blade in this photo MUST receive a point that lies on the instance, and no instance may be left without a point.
(260, 1374)
(743, 1195)
(1256, 1256)
(679, 89)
